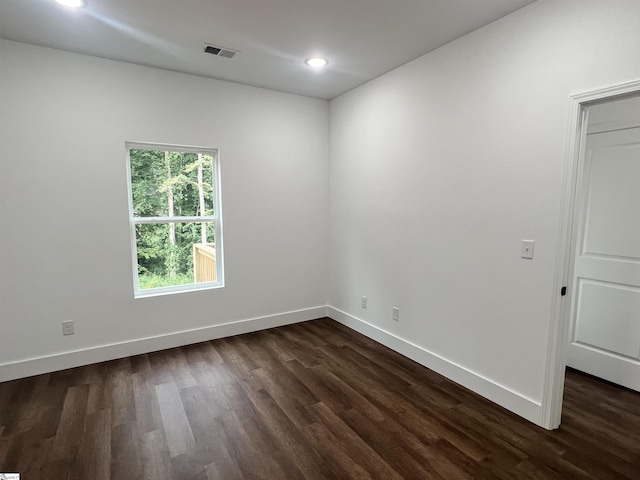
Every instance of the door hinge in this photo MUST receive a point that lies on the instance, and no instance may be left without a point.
(563, 291)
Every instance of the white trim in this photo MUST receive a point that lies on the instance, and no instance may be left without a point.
(503, 396)
(187, 287)
(217, 178)
(132, 227)
(60, 361)
(147, 220)
(593, 129)
(553, 388)
(172, 147)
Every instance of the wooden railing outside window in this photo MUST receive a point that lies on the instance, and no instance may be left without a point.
(204, 262)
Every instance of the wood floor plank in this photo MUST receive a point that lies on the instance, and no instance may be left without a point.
(289, 393)
(286, 466)
(339, 464)
(315, 379)
(234, 400)
(349, 395)
(33, 460)
(94, 455)
(49, 407)
(145, 404)
(174, 420)
(311, 401)
(210, 450)
(126, 462)
(282, 433)
(226, 471)
(391, 444)
(360, 451)
(123, 398)
(70, 430)
(154, 456)
(160, 367)
(99, 391)
(180, 368)
(449, 463)
(249, 457)
(25, 417)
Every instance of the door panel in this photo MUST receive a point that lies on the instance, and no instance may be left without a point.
(605, 315)
(613, 220)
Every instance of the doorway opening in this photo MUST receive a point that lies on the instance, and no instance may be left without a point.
(595, 239)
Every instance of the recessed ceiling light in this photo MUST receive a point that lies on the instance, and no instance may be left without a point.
(317, 62)
(72, 3)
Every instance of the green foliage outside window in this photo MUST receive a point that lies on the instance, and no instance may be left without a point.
(170, 184)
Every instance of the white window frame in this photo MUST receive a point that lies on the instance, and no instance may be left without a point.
(215, 219)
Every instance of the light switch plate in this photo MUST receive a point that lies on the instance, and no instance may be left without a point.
(527, 248)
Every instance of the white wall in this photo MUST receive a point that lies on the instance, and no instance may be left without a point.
(440, 168)
(64, 228)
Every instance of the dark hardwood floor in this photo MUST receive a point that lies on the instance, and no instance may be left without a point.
(312, 400)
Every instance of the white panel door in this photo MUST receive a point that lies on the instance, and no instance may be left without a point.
(605, 314)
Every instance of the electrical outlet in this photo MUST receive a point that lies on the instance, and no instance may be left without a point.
(363, 302)
(395, 314)
(67, 328)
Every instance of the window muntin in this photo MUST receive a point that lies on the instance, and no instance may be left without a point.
(174, 207)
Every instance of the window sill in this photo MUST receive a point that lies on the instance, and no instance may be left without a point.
(192, 287)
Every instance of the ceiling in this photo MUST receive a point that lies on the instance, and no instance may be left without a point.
(362, 39)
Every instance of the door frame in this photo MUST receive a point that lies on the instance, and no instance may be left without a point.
(558, 339)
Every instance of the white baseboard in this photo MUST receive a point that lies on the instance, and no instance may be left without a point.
(64, 360)
(516, 403)
(503, 396)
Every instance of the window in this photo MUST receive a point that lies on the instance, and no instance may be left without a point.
(174, 212)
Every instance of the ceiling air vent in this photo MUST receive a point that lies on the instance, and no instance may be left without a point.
(220, 51)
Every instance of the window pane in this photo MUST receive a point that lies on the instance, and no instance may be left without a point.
(167, 253)
(169, 183)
